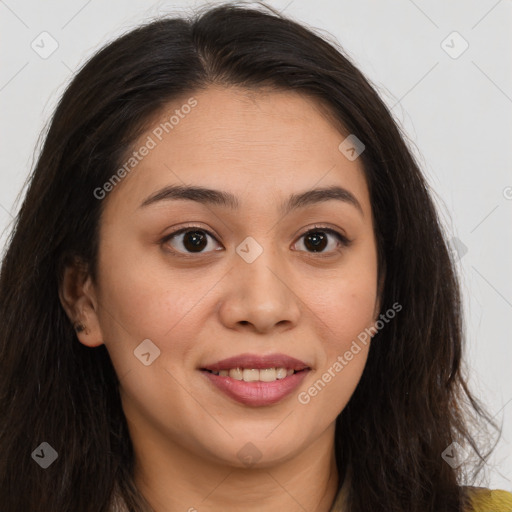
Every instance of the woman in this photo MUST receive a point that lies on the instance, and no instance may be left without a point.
(227, 286)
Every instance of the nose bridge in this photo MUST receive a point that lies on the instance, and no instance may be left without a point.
(258, 263)
(260, 293)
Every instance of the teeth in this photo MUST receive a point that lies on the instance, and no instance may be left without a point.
(236, 373)
(253, 375)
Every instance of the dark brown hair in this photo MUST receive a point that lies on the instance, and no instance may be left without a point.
(411, 401)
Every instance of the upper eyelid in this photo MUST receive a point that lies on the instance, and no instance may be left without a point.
(189, 228)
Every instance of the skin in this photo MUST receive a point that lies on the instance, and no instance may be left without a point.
(261, 147)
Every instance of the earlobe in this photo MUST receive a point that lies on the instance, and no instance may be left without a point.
(78, 298)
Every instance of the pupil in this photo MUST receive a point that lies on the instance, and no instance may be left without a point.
(197, 240)
(318, 241)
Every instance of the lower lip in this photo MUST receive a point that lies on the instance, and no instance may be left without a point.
(257, 393)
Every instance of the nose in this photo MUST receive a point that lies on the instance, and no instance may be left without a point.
(260, 296)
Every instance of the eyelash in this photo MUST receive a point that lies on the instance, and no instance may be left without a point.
(343, 240)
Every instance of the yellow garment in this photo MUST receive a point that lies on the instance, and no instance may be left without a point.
(486, 500)
(482, 500)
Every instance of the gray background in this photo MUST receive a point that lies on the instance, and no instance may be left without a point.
(455, 109)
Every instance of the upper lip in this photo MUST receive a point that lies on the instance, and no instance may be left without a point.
(257, 362)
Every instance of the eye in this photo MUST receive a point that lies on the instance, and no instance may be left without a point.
(318, 238)
(193, 239)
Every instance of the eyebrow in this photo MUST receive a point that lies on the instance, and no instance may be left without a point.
(226, 199)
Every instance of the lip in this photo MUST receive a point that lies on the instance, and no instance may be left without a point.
(257, 394)
(257, 362)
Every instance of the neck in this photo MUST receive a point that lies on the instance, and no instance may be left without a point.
(175, 478)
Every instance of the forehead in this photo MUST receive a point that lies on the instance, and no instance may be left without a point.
(262, 145)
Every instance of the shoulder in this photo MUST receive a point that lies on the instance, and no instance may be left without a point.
(487, 500)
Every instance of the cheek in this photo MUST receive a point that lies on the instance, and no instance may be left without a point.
(345, 310)
(142, 299)
(346, 303)
(348, 309)
(344, 314)
(345, 317)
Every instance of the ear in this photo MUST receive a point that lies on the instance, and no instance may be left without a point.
(78, 298)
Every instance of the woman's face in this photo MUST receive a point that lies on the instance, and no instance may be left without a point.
(245, 280)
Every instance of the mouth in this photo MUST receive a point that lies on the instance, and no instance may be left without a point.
(254, 380)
